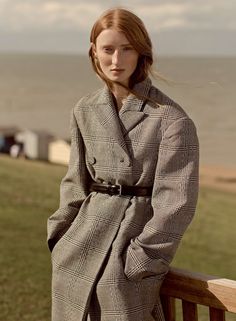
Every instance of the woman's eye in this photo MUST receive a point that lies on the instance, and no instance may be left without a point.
(128, 48)
(108, 50)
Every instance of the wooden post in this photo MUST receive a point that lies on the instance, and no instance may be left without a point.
(189, 311)
(168, 305)
(216, 314)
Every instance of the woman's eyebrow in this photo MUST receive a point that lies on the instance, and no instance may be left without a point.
(111, 45)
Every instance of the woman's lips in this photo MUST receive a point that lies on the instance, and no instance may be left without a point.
(117, 70)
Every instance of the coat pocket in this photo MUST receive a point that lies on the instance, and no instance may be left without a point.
(139, 266)
(56, 243)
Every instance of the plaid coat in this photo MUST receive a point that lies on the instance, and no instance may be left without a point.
(111, 253)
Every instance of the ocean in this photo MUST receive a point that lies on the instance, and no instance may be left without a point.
(38, 91)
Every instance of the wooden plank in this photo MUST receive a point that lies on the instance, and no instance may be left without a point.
(216, 314)
(201, 289)
(189, 311)
(168, 305)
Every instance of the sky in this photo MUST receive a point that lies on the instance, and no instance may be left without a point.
(176, 27)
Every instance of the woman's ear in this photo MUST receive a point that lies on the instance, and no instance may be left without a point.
(93, 48)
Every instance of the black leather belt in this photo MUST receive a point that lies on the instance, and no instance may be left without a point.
(117, 189)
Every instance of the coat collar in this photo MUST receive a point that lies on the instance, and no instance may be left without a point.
(117, 125)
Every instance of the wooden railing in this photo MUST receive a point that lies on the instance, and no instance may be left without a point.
(197, 289)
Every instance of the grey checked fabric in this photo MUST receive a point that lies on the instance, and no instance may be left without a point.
(110, 253)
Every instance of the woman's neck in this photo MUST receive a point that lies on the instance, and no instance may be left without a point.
(120, 94)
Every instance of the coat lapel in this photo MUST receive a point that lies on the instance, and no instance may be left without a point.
(117, 125)
(109, 119)
(132, 112)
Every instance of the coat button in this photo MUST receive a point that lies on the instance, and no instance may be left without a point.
(122, 160)
(92, 160)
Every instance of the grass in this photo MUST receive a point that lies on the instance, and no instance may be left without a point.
(29, 193)
(209, 244)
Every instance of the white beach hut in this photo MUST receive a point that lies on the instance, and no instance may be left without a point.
(59, 151)
(35, 143)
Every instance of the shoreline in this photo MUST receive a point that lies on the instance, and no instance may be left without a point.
(218, 177)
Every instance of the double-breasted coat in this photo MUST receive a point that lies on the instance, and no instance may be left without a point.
(111, 253)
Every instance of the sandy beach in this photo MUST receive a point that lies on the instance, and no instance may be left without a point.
(218, 177)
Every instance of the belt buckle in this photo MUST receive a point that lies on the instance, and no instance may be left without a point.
(120, 189)
(114, 189)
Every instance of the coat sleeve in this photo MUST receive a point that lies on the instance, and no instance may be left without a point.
(174, 199)
(73, 188)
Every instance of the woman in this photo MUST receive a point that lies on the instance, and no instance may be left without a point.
(131, 187)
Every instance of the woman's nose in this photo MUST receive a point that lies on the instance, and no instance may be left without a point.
(116, 57)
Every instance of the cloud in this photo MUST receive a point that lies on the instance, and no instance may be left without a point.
(201, 14)
(44, 15)
(183, 26)
(158, 15)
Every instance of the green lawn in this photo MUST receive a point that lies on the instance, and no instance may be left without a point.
(29, 193)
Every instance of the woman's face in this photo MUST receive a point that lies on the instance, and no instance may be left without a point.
(117, 58)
